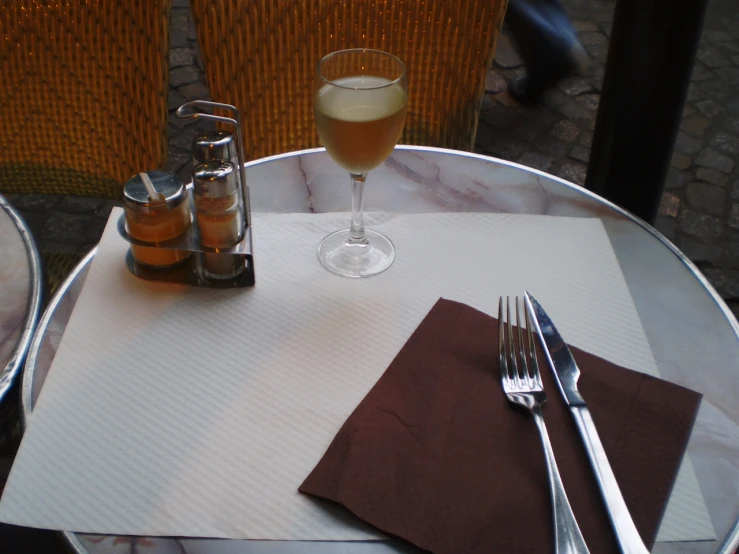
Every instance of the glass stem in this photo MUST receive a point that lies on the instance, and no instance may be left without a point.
(356, 232)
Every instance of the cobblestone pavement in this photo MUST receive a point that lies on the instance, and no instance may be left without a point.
(699, 211)
(700, 206)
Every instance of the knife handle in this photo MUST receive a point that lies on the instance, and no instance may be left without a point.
(628, 537)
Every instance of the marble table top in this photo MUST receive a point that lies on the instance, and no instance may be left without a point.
(20, 293)
(694, 336)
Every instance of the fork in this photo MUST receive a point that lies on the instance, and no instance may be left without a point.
(525, 389)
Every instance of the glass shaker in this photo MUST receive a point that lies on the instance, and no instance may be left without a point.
(220, 217)
(218, 145)
(156, 219)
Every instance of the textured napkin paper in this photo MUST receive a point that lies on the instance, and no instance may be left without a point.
(174, 410)
(435, 445)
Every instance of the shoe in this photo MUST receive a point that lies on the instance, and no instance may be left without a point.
(522, 91)
(529, 90)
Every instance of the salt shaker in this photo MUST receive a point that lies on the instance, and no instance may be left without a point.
(219, 215)
(156, 219)
(218, 145)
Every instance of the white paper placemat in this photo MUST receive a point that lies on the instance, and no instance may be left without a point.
(174, 410)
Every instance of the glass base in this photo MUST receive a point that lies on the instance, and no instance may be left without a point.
(339, 255)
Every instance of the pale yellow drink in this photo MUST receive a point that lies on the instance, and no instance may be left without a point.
(360, 126)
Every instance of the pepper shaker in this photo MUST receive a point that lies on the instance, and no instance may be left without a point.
(218, 145)
(220, 217)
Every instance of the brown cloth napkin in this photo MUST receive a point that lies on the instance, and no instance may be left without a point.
(435, 453)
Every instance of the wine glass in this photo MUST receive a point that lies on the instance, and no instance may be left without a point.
(359, 103)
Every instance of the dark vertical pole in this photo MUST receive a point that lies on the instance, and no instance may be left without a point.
(650, 60)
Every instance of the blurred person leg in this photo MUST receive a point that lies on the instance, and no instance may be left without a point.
(547, 43)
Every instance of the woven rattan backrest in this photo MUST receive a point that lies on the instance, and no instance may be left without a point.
(261, 56)
(83, 94)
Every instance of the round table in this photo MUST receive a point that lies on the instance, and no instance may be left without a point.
(20, 294)
(685, 320)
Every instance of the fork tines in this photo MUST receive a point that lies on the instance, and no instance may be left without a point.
(514, 348)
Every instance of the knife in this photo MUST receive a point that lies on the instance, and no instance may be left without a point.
(567, 373)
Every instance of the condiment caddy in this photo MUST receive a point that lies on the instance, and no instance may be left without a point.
(197, 233)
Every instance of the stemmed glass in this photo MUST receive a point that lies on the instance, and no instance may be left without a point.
(359, 102)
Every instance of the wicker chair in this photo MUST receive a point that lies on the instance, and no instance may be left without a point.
(84, 98)
(261, 56)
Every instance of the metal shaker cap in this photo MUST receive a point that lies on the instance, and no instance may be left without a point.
(214, 179)
(170, 187)
(213, 145)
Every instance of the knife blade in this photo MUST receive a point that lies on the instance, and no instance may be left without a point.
(566, 374)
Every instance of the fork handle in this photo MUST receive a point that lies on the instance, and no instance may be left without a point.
(567, 536)
(626, 533)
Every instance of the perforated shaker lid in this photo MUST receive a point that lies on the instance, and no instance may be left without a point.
(214, 179)
(214, 145)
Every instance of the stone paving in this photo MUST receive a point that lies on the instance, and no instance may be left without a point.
(699, 211)
(700, 206)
